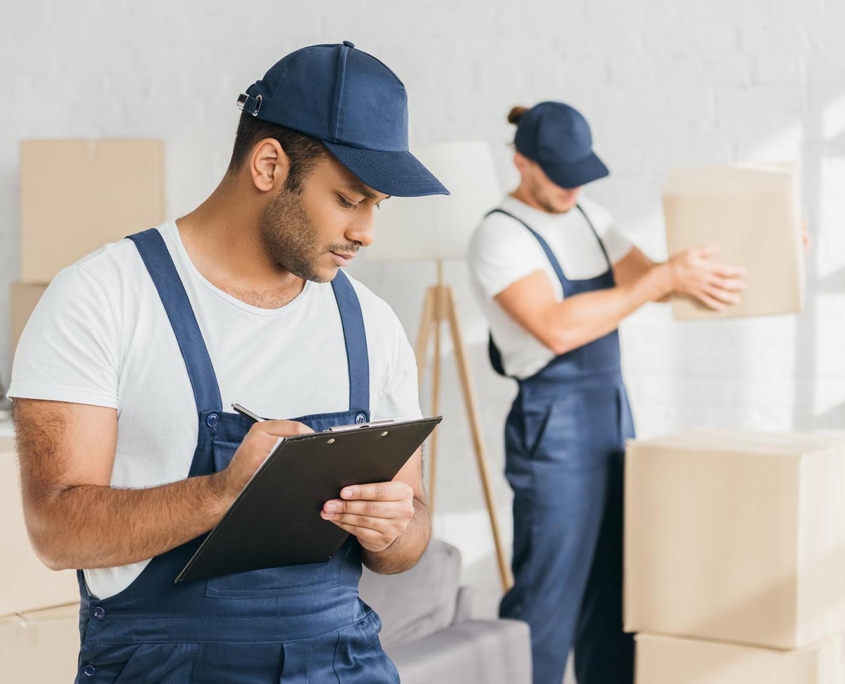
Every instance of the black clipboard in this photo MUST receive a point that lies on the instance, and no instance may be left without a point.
(275, 520)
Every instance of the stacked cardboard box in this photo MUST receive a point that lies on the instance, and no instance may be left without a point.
(76, 196)
(29, 635)
(673, 660)
(751, 214)
(735, 558)
(22, 300)
(40, 646)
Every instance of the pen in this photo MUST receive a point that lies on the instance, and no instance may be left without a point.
(246, 412)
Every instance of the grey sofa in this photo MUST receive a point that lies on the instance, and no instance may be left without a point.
(429, 634)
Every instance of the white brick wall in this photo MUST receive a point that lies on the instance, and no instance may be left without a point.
(663, 84)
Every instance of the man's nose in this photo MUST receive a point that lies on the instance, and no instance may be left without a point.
(362, 229)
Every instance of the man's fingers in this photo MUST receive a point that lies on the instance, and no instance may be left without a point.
(728, 284)
(722, 295)
(374, 508)
(726, 271)
(379, 491)
(363, 521)
(382, 510)
(364, 534)
(281, 428)
(710, 302)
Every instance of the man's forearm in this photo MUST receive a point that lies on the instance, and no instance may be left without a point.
(586, 317)
(95, 527)
(403, 553)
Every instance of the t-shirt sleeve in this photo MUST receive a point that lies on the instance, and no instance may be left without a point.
(399, 398)
(68, 349)
(502, 252)
(616, 244)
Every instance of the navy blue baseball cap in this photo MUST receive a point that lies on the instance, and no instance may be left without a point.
(355, 105)
(558, 138)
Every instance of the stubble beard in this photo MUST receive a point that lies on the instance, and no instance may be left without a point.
(290, 237)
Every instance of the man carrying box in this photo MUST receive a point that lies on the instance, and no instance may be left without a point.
(555, 282)
(121, 377)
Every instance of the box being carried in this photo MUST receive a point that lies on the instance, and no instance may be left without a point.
(78, 195)
(751, 213)
(671, 660)
(736, 537)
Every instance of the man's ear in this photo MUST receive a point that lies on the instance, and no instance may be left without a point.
(268, 165)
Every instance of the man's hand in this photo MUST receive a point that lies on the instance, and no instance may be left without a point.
(713, 284)
(375, 513)
(252, 452)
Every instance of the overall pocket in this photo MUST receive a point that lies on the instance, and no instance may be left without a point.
(291, 580)
(575, 431)
(359, 657)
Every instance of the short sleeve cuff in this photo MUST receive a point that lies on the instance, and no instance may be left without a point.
(71, 395)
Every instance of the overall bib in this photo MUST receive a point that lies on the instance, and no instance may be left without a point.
(300, 624)
(564, 443)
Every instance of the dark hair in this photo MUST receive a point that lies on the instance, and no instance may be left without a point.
(515, 114)
(303, 151)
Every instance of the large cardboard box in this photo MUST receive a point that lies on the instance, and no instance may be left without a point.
(25, 583)
(40, 647)
(752, 214)
(78, 195)
(736, 537)
(22, 297)
(669, 660)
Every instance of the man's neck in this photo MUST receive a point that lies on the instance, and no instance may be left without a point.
(523, 195)
(222, 239)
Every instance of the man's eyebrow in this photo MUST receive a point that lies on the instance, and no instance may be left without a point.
(362, 189)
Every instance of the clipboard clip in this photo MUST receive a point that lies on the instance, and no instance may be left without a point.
(356, 426)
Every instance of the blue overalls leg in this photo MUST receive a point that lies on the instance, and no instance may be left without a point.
(564, 442)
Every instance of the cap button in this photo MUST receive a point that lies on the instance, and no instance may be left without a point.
(349, 44)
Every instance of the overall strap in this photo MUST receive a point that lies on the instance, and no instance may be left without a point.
(593, 228)
(355, 337)
(493, 351)
(166, 278)
(545, 245)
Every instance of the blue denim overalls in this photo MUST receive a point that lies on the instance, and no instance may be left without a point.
(301, 624)
(564, 442)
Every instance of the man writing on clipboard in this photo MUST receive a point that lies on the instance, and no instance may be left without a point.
(122, 375)
(555, 281)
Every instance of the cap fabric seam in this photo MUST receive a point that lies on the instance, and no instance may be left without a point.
(338, 107)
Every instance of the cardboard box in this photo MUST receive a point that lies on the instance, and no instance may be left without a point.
(752, 214)
(668, 660)
(25, 583)
(736, 537)
(22, 298)
(40, 647)
(77, 196)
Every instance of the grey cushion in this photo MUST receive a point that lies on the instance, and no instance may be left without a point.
(472, 652)
(418, 602)
(463, 606)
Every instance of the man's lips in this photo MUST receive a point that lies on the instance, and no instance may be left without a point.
(343, 258)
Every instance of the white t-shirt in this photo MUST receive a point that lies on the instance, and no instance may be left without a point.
(502, 252)
(96, 338)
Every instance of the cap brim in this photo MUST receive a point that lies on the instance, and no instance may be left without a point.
(576, 174)
(399, 174)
